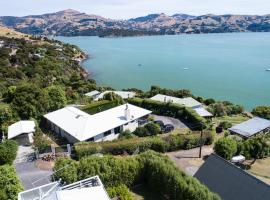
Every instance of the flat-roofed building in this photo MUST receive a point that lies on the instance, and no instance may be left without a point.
(76, 125)
(251, 127)
(96, 95)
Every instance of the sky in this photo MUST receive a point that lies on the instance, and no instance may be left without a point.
(124, 9)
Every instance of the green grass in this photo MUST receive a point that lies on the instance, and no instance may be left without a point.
(237, 119)
(141, 192)
(99, 106)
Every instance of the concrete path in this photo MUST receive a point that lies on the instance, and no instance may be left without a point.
(188, 160)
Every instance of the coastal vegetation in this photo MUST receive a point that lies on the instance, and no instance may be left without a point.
(262, 111)
(156, 171)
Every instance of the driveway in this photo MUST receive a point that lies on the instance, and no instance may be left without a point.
(169, 120)
(188, 160)
(31, 176)
(24, 154)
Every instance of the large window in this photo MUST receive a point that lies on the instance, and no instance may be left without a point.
(117, 130)
(107, 133)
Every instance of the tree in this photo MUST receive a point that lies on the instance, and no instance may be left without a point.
(209, 101)
(10, 185)
(8, 152)
(226, 148)
(262, 111)
(29, 101)
(225, 124)
(57, 97)
(111, 96)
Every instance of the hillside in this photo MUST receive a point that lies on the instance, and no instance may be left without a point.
(6, 32)
(74, 23)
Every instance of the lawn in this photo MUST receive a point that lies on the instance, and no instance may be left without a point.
(237, 119)
(141, 192)
(260, 168)
(99, 106)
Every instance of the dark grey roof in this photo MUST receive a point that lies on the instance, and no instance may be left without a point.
(251, 127)
(231, 182)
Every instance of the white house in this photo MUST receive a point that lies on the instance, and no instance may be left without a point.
(76, 125)
(96, 95)
(188, 102)
(22, 131)
(90, 188)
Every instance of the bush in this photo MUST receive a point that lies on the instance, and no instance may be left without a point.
(121, 191)
(126, 135)
(155, 170)
(149, 129)
(40, 141)
(257, 147)
(167, 143)
(225, 125)
(8, 151)
(67, 168)
(100, 106)
(224, 108)
(10, 184)
(209, 101)
(226, 148)
(262, 111)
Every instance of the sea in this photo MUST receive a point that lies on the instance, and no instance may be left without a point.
(224, 66)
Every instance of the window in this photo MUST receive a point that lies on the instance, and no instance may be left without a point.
(91, 139)
(107, 133)
(117, 130)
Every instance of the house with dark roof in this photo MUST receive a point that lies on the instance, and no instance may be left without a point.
(231, 182)
(251, 127)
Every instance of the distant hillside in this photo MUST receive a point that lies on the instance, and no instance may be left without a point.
(74, 23)
(6, 32)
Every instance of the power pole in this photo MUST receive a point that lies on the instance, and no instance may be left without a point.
(201, 142)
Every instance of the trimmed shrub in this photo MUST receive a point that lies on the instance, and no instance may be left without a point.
(100, 106)
(10, 184)
(226, 148)
(121, 191)
(149, 129)
(167, 143)
(155, 170)
(8, 151)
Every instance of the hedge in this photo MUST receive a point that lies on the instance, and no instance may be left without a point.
(100, 106)
(121, 191)
(10, 184)
(8, 151)
(171, 110)
(154, 170)
(118, 147)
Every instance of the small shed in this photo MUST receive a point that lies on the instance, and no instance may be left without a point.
(251, 127)
(22, 132)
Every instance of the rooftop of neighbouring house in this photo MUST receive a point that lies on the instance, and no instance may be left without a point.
(91, 188)
(188, 101)
(83, 126)
(251, 127)
(231, 182)
(99, 95)
(20, 127)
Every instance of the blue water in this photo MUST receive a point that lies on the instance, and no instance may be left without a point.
(223, 66)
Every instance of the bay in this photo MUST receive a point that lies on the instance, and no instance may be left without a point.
(228, 66)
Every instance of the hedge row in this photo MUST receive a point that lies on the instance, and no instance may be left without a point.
(154, 170)
(100, 106)
(171, 110)
(164, 144)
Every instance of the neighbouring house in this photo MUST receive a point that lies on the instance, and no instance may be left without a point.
(96, 95)
(2, 43)
(188, 102)
(76, 125)
(231, 182)
(251, 127)
(90, 188)
(22, 132)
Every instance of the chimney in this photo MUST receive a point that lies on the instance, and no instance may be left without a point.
(127, 113)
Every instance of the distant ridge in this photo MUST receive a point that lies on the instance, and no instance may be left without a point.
(74, 23)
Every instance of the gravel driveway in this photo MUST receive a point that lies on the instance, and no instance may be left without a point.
(169, 120)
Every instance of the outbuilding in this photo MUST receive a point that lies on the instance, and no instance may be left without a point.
(251, 127)
(22, 132)
(96, 95)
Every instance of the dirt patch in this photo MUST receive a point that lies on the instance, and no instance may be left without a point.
(45, 165)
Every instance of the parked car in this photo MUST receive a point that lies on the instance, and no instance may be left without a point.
(167, 128)
(159, 122)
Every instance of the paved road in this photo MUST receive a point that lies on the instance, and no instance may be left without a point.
(169, 120)
(31, 176)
